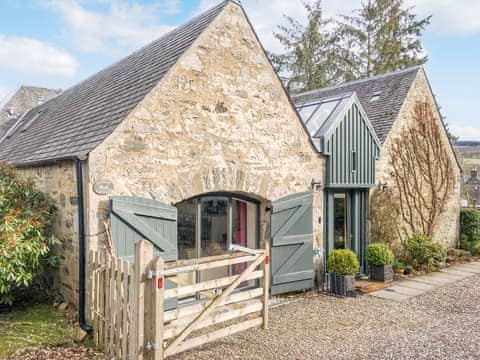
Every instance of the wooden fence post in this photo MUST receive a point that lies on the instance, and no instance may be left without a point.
(156, 319)
(266, 284)
(143, 257)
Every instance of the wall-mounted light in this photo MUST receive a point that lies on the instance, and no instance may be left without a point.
(384, 187)
(316, 185)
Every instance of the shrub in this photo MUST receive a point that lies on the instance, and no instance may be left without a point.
(419, 250)
(379, 254)
(398, 265)
(342, 262)
(475, 248)
(25, 239)
(470, 229)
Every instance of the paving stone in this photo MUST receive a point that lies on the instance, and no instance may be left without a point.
(457, 271)
(406, 290)
(417, 285)
(390, 295)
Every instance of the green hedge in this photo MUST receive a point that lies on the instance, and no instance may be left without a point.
(470, 228)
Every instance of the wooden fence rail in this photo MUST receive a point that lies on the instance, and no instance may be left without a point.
(127, 302)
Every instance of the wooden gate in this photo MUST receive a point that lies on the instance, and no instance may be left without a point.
(130, 321)
(292, 243)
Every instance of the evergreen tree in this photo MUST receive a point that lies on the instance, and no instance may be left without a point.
(308, 61)
(381, 37)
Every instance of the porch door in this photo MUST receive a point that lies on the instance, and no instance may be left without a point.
(345, 220)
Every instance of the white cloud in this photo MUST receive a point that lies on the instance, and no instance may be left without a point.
(450, 17)
(465, 132)
(125, 25)
(32, 56)
(170, 6)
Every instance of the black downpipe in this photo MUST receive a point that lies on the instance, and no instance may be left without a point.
(81, 249)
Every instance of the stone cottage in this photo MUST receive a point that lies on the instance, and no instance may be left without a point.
(195, 129)
(389, 101)
(193, 143)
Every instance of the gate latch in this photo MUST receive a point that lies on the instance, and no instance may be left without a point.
(149, 346)
(152, 274)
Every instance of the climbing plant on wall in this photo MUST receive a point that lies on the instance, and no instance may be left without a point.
(384, 226)
(423, 172)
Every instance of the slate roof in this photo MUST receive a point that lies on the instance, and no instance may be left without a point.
(392, 89)
(25, 98)
(76, 121)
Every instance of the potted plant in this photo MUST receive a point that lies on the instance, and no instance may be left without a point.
(380, 259)
(342, 265)
(398, 267)
(408, 270)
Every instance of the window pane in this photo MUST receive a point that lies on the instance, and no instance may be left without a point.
(187, 215)
(214, 225)
(187, 248)
(214, 234)
(306, 111)
(320, 116)
(340, 221)
(244, 223)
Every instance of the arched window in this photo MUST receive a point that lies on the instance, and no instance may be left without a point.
(209, 224)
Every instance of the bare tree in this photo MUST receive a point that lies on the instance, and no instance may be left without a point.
(423, 172)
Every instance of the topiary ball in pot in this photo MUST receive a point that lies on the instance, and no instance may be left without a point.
(342, 265)
(380, 259)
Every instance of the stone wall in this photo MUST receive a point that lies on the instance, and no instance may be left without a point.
(218, 121)
(59, 182)
(448, 228)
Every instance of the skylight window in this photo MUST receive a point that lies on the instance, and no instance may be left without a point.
(307, 111)
(320, 116)
(375, 96)
(32, 120)
(14, 127)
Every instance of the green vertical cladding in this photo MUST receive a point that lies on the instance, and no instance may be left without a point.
(352, 150)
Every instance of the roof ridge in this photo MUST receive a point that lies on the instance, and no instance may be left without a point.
(359, 81)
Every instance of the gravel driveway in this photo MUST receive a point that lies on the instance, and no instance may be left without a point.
(442, 324)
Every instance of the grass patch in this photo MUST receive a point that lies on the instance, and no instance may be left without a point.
(34, 326)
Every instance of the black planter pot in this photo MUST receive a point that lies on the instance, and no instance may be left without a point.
(382, 273)
(343, 285)
(407, 271)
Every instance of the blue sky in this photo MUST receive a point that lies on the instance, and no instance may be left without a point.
(56, 43)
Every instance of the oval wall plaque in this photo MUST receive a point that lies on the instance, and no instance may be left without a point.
(103, 187)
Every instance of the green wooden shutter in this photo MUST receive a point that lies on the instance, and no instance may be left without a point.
(133, 219)
(292, 243)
